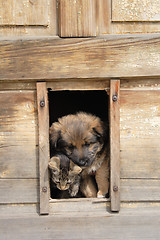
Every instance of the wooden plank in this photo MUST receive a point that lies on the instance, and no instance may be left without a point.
(135, 10)
(127, 56)
(140, 190)
(18, 134)
(76, 84)
(140, 84)
(17, 13)
(43, 120)
(100, 208)
(77, 18)
(139, 225)
(32, 12)
(140, 134)
(114, 121)
(26, 191)
(19, 191)
(127, 209)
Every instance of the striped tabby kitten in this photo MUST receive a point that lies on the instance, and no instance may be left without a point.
(65, 174)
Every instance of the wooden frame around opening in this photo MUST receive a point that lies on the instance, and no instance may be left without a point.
(114, 118)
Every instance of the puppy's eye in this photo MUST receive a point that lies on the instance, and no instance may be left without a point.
(71, 147)
(87, 144)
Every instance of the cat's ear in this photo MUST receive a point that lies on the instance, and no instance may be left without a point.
(54, 164)
(75, 169)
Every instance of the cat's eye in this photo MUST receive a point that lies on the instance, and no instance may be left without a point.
(57, 182)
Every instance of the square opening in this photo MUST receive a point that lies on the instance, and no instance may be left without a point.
(62, 103)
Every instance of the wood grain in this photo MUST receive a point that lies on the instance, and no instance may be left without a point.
(28, 18)
(77, 18)
(27, 191)
(114, 122)
(116, 56)
(140, 134)
(18, 134)
(33, 12)
(134, 222)
(19, 191)
(140, 190)
(43, 121)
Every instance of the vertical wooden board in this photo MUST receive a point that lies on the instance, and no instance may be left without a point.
(136, 10)
(18, 134)
(115, 144)
(140, 134)
(77, 18)
(26, 12)
(43, 119)
(103, 16)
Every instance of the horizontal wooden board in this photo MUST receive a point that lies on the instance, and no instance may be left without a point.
(84, 208)
(18, 135)
(32, 12)
(136, 10)
(26, 191)
(19, 190)
(140, 190)
(53, 58)
(140, 134)
(130, 222)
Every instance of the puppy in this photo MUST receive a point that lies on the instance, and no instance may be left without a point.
(82, 138)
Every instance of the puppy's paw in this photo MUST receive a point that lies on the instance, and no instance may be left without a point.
(100, 195)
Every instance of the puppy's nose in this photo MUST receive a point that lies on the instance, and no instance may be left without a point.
(83, 161)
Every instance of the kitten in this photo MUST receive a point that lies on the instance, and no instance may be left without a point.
(65, 174)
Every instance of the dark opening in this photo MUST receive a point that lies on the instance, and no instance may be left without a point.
(62, 103)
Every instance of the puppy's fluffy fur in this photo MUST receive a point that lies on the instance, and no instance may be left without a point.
(82, 138)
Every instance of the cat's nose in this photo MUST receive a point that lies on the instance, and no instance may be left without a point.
(63, 187)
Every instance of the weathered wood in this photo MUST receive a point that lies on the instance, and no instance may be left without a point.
(27, 191)
(134, 223)
(19, 191)
(137, 10)
(76, 84)
(77, 18)
(140, 134)
(106, 12)
(140, 190)
(114, 121)
(100, 208)
(18, 134)
(80, 58)
(28, 18)
(19, 12)
(43, 120)
(140, 84)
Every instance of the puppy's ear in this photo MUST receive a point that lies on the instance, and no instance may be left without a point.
(54, 164)
(101, 132)
(54, 134)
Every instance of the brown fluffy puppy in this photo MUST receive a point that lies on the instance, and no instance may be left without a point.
(82, 138)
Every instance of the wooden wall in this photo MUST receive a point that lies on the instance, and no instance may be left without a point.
(18, 147)
(42, 17)
(139, 142)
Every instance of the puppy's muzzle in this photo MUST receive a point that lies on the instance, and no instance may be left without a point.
(84, 162)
